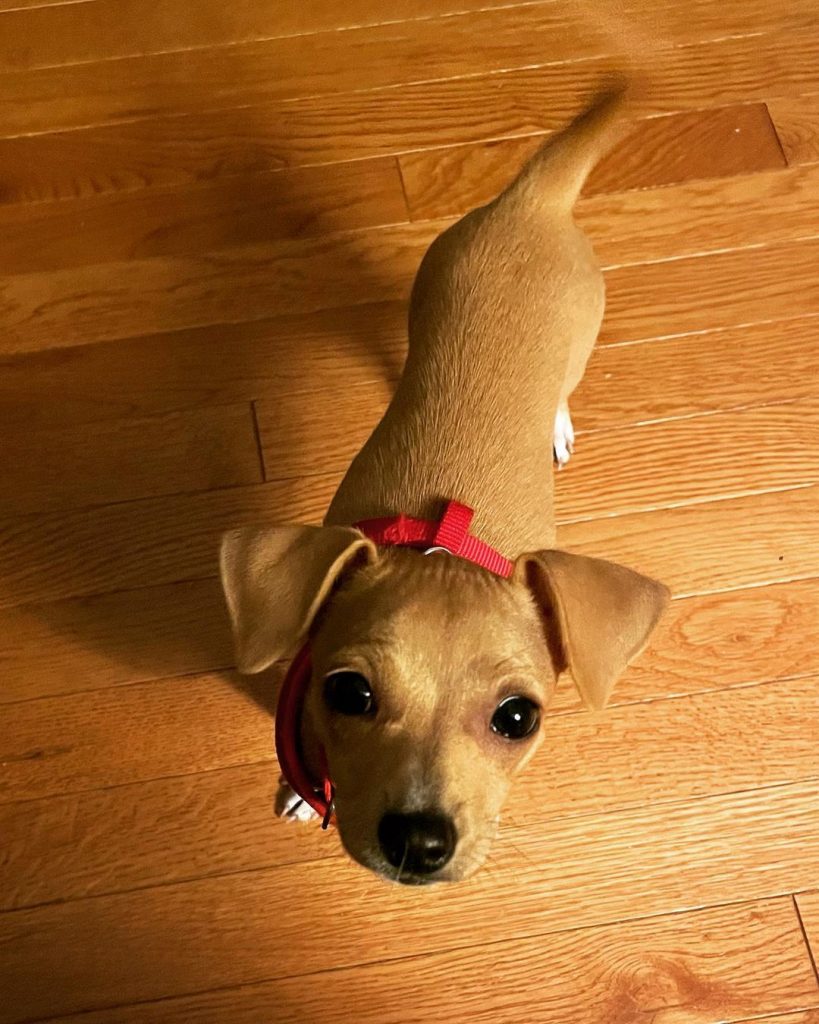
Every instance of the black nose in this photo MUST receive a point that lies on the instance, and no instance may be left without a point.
(417, 843)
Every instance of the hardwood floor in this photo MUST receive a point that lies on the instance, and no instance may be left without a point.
(210, 217)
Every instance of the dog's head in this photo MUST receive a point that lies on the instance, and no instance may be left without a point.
(430, 675)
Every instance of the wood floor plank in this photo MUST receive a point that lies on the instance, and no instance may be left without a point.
(695, 548)
(808, 904)
(57, 468)
(101, 30)
(796, 119)
(691, 460)
(150, 833)
(182, 938)
(112, 639)
(237, 210)
(290, 356)
(179, 151)
(667, 964)
(684, 76)
(111, 301)
(709, 547)
(745, 286)
(717, 143)
(708, 372)
(114, 300)
(133, 733)
(800, 1017)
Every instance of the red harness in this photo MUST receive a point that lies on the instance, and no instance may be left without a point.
(451, 534)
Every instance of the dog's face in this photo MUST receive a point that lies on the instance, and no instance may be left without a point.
(430, 675)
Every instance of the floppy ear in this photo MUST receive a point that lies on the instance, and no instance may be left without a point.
(605, 614)
(275, 581)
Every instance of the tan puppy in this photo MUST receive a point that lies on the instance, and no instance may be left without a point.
(430, 674)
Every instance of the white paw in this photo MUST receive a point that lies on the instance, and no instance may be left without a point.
(563, 444)
(291, 807)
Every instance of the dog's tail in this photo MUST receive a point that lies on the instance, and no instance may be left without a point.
(555, 175)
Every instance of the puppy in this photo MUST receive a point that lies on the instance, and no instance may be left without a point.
(433, 612)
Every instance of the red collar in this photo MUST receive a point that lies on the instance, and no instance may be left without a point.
(450, 533)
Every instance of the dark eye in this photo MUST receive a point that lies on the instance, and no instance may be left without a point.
(349, 693)
(516, 718)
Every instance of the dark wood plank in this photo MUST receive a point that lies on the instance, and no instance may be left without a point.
(133, 222)
(722, 142)
(182, 938)
(114, 300)
(60, 468)
(694, 963)
(796, 119)
(111, 639)
(739, 61)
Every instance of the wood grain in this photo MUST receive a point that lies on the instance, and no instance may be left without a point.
(808, 905)
(238, 210)
(150, 833)
(698, 373)
(115, 300)
(661, 967)
(796, 119)
(672, 463)
(111, 301)
(184, 938)
(216, 147)
(535, 36)
(112, 639)
(103, 738)
(108, 29)
(712, 546)
(717, 143)
(731, 288)
(198, 450)
(287, 356)
(136, 544)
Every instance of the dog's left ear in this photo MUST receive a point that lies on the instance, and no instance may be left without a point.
(605, 614)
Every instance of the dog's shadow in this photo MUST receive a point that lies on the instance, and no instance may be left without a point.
(181, 628)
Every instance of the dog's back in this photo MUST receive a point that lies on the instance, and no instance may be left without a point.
(504, 313)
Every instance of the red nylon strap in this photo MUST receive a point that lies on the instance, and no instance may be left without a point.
(450, 532)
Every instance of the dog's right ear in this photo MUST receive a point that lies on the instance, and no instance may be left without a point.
(275, 581)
